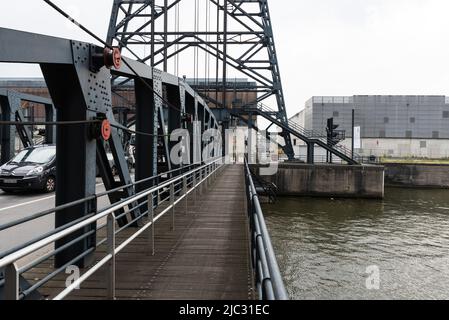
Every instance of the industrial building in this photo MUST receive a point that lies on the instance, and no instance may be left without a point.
(239, 92)
(390, 126)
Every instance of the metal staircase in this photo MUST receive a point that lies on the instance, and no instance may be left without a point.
(308, 136)
(265, 188)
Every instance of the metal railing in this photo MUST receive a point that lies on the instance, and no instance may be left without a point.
(95, 198)
(312, 134)
(267, 276)
(178, 189)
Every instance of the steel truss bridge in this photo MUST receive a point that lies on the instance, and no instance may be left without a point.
(80, 121)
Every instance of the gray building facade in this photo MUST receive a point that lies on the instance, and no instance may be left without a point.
(391, 126)
(403, 117)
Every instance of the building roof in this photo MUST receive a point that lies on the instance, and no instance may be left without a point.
(22, 83)
(40, 82)
(350, 99)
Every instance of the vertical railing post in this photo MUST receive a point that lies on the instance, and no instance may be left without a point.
(111, 250)
(184, 191)
(199, 184)
(172, 204)
(195, 187)
(208, 176)
(151, 217)
(204, 180)
(158, 194)
(12, 287)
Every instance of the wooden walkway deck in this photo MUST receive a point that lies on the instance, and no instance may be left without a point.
(205, 257)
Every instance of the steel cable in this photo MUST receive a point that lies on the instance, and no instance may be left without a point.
(67, 16)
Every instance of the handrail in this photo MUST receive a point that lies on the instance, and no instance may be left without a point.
(268, 278)
(197, 176)
(312, 134)
(90, 198)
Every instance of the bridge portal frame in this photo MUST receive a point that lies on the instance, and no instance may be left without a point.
(80, 88)
(10, 104)
(244, 24)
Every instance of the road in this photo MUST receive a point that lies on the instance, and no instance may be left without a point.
(20, 205)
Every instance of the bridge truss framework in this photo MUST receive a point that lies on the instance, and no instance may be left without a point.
(236, 36)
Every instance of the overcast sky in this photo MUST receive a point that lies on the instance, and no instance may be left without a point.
(325, 47)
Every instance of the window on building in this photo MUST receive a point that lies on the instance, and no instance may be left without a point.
(423, 144)
(435, 134)
(294, 142)
(408, 134)
(386, 120)
(412, 120)
(445, 114)
(336, 114)
(382, 134)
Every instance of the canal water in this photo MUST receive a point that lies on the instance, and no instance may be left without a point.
(397, 248)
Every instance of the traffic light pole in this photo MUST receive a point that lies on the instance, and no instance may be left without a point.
(330, 133)
(353, 133)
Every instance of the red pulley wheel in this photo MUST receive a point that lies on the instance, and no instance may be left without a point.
(112, 58)
(106, 130)
(117, 58)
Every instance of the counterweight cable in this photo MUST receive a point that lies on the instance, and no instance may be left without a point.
(73, 123)
(67, 16)
(48, 123)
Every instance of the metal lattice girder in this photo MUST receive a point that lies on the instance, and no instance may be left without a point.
(241, 39)
(174, 96)
(8, 132)
(121, 165)
(10, 104)
(81, 92)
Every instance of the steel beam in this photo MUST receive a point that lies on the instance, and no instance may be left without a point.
(76, 155)
(310, 153)
(12, 111)
(81, 92)
(191, 114)
(146, 143)
(118, 153)
(162, 114)
(7, 132)
(50, 130)
(10, 103)
(174, 116)
(25, 47)
(251, 37)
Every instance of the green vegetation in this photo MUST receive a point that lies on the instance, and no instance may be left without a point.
(414, 160)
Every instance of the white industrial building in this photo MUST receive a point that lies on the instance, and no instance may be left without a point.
(390, 126)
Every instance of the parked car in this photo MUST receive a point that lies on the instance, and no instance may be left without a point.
(33, 168)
